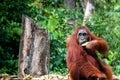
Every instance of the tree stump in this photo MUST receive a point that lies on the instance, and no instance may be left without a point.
(34, 49)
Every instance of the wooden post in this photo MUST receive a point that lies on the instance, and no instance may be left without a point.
(34, 49)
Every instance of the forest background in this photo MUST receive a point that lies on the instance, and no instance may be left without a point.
(60, 19)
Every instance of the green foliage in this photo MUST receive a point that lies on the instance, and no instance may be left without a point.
(11, 12)
(60, 22)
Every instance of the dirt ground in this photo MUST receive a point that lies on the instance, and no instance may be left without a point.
(45, 77)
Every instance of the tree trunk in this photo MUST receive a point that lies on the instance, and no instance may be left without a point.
(69, 4)
(88, 11)
(34, 49)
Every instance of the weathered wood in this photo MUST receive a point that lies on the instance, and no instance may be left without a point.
(40, 50)
(34, 49)
(25, 42)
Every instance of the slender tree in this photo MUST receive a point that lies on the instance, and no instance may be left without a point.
(88, 11)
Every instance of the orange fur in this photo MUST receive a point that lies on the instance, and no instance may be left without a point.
(82, 65)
